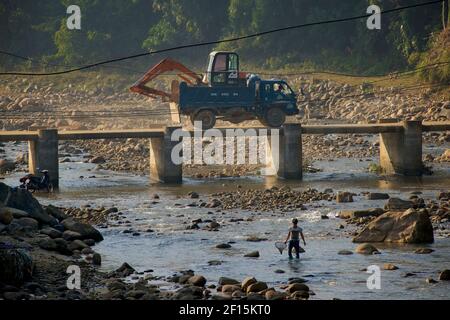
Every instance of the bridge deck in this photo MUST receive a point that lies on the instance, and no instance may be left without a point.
(18, 136)
(110, 134)
(159, 132)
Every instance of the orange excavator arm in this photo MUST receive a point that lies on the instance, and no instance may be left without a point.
(166, 65)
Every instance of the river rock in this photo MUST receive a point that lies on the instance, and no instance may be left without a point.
(275, 295)
(97, 160)
(423, 251)
(225, 280)
(366, 248)
(77, 245)
(302, 295)
(85, 230)
(123, 271)
(56, 213)
(297, 287)
(254, 254)
(377, 196)
(389, 266)
(410, 226)
(345, 252)
(6, 166)
(396, 204)
(193, 195)
(230, 288)
(71, 235)
(445, 275)
(247, 282)
(51, 232)
(6, 217)
(351, 214)
(197, 280)
(48, 244)
(23, 200)
(443, 195)
(16, 213)
(256, 287)
(16, 266)
(223, 246)
(97, 259)
(28, 224)
(343, 197)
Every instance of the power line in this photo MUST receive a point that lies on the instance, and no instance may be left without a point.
(45, 64)
(394, 73)
(258, 34)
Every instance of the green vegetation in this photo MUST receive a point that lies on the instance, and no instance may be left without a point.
(375, 168)
(114, 28)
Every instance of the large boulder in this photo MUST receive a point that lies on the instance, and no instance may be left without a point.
(16, 266)
(410, 226)
(56, 212)
(16, 213)
(85, 230)
(23, 200)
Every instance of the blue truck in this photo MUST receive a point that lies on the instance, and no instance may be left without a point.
(223, 93)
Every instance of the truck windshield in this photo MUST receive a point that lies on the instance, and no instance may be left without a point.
(282, 88)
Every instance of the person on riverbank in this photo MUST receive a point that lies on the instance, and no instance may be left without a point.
(295, 232)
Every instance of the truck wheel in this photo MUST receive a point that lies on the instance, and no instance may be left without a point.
(275, 117)
(206, 117)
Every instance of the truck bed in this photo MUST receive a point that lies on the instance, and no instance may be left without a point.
(192, 98)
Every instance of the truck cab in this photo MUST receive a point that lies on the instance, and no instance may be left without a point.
(276, 100)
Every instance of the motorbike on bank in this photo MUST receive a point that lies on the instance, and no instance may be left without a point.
(34, 183)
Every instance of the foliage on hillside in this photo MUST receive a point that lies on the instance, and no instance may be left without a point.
(439, 52)
(113, 28)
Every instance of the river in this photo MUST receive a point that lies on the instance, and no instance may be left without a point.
(171, 248)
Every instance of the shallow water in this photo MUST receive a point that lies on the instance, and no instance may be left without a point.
(171, 248)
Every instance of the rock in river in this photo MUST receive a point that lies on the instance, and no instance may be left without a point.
(366, 248)
(6, 216)
(257, 287)
(23, 200)
(445, 275)
(377, 196)
(342, 197)
(225, 280)
(197, 280)
(85, 230)
(223, 246)
(410, 226)
(16, 266)
(254, 254)
(351, 214)
(398, 204)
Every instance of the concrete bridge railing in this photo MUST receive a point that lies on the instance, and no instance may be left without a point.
(400, 146)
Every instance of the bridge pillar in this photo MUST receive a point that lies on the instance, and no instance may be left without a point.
(285, 155)
(43, 154)
(401, 152)
(162, 168)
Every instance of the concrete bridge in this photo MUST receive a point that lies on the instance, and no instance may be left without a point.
(400, 146)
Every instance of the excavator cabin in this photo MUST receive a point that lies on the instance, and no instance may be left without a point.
(223, 70)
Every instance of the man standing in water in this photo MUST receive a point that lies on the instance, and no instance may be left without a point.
(294, 235)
